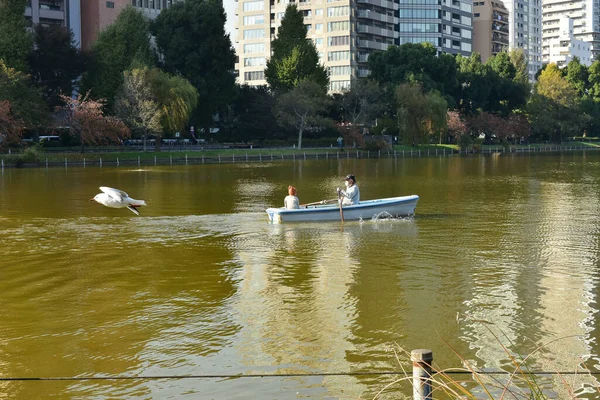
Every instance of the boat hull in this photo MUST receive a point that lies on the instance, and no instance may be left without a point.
(395, 206)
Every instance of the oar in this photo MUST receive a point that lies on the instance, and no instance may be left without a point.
(318, 202)
(341, 210)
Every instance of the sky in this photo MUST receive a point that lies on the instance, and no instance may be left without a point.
(230, 24)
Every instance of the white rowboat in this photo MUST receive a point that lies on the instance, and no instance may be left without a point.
(395, 206)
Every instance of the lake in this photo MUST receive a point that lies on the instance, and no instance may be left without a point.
(503, 251)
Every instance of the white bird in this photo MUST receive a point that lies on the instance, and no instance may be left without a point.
(115, 198)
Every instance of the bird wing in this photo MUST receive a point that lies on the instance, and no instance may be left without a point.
(134, 210)
(114, 193)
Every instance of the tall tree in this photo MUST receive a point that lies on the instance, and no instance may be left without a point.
(25, 99)
(519, 60)
(137, 107)
(118, 46)
(302, 107)
(577, 75)
(177, 98)
(250, 116)
(88, 124)
(11, 128)
(554, 109)
(420, 115)
(362, 103)
(15, 41)
(507, 93)
(55, 63)
(192, 41)
(415, 63)
(294, 58)
(476, 84)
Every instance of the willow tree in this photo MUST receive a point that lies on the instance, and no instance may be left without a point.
(420, 115)
(295, 58)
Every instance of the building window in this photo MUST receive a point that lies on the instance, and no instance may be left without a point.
(319, 12)
(338, 11)
(340, 70)
(338, 26)
(255, 61)
(254, 19)
(338, 86)
(254, 33)
(254, 5)
(254, 76)
(254, 48)
(318, 41)
(338, 40)
(338, 55)
(110, 4)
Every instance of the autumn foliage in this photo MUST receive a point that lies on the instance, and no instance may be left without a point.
(87, 122)
(11, 128)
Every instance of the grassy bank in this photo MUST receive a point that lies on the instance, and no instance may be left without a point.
(38, 156)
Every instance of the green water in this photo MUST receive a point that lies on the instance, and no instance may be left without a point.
(201, 283)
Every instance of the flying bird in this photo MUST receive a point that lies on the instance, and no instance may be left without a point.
(115, 198)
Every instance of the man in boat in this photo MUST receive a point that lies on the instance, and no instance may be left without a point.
(351, 195)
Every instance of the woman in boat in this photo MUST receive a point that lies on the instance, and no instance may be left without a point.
(291, 201)
(351, 195)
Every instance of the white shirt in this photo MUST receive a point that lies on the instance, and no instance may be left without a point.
(351, 195)
(291, 202)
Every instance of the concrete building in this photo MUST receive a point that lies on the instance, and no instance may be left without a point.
(525, 31)
(586, 24)
(345, 33)
(65, 13)
(96, 15)
(562, 49)
(490, 28)
(447, 24)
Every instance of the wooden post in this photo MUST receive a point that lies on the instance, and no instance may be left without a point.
(186, 159)
(100, 162)
(138, 161)
(155, 161)
(84, 163)
(117, 161)
(421, 360)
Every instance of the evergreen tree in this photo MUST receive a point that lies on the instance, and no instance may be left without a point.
(121, 44)
(295, 58)
(25, 100)
(55, 63)
(192, 42)
(15, 41)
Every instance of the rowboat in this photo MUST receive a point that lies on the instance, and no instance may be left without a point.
(394, 206)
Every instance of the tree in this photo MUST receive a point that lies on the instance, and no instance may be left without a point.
(302, 107)
(415, 63)
(15, 41)
(136, 105)
(476, 86)
(11, 128)
(507, 93)
(577, 75)
(294, 57)
(177, 99)
(191, 39)
(55, 63)
(554, 108)
(88, 124)
(250, 115)
(419, 114)
(25, 100)
(519, 60)
(362, 103)
(457, 127)
(121, 44)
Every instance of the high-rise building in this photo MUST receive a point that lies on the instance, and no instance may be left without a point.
(446, 24)
(586, 24)
(525, 31)
(345, 33)
(565, 47)
(98, 14)
(490, 28)
(65, 13)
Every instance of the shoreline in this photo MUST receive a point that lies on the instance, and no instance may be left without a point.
(226, 156)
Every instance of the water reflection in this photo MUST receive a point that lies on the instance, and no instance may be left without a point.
(202, 283)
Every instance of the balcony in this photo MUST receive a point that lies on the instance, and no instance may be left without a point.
(499, 28)
(500, 39)
(375, 16)
(371, 44)
(373, 30)
(381, 3)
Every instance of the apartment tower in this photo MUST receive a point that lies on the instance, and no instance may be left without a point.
(490, 28)
(565, 47)
(446, 24)
(525, 31)
(345, 32)
(585, 20)
(65, 13)
(96, 15)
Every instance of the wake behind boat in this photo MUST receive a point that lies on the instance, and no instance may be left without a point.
(396, 206)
